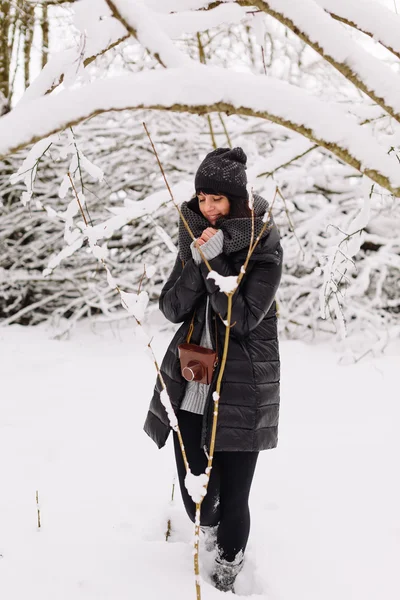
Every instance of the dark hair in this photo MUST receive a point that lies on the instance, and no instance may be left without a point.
(239, 208)
(239, 205)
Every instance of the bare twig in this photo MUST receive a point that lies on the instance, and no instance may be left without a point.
(173, 199)
(228, 139)
(77, 199)
(287, 163)
(38, 510)
(291, 226)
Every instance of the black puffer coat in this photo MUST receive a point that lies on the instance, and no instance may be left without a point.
(249, 402)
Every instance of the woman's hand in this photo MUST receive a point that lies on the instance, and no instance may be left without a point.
(206, 235)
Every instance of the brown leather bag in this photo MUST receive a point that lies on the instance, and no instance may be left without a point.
(197, 363)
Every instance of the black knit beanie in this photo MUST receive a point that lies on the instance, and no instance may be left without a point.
(223, 170)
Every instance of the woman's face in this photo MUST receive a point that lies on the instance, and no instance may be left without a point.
(213, 206)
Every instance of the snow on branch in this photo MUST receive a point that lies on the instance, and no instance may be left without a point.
(122, 216)
(295, 149)
(28, 169)
(369, 17)
(327, 37)
(167, 6)
(100, 36)
(105, 35)
(141, 23)
(196, 485)
(183, 22)
(340, 262)
(226, 284)
(203, 89)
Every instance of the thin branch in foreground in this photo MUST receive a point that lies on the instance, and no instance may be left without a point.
(173, 199)
(77, 199)
(169, 408)
(287, 163)
(39, 523)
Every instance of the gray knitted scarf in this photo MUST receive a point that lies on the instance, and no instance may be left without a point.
(237, 231)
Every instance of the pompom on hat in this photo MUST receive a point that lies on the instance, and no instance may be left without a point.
(223, 170)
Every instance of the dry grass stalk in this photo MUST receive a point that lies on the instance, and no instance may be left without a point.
(169, 523)
(38, 510)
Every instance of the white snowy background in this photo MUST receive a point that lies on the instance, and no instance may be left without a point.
(325, 503)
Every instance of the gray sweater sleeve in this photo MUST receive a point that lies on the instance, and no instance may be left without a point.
(210, 249)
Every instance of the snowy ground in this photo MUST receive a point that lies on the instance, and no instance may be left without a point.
(325, 504)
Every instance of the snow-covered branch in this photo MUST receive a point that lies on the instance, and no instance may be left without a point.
(204, 89)
(369, 17)
(99, 39)
(141, 23)
(327, 37)
(109, 28)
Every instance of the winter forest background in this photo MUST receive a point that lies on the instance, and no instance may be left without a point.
(88, 233)
(309, 89)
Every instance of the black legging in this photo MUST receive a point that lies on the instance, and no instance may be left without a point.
(227, 498)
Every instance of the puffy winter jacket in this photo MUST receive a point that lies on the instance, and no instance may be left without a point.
(249, 400)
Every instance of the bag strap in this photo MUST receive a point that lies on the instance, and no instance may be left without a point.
(191, 327)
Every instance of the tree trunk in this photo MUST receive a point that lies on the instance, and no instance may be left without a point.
(45, 34)
(4, 56)
(28, 20)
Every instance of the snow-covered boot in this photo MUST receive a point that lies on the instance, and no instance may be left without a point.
(225, 573)
(209, 536)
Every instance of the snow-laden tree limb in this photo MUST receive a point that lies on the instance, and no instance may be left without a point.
(268, 166)
(186, 22)
(108, 33)
(203, 90)
(141, 23)
(322, 33)
(369, 17)
(104, 36)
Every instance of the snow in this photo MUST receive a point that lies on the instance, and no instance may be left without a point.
(100, 33)
(151, 35)
(250, 194)
(28, 169)
(132, 210)
(184, 22)
(337, 43)
(325, 518)
(339, 255)
(370, 17)
(166, 402)
(150, 271)
(176, 5)
(226, 284)
(282, 154)
(196, 486)
(90, 168)
(166, 238)
(196, 87)
(98, 37)
(258, 26)
(135, 304)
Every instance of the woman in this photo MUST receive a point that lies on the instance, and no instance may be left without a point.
(220, 218)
